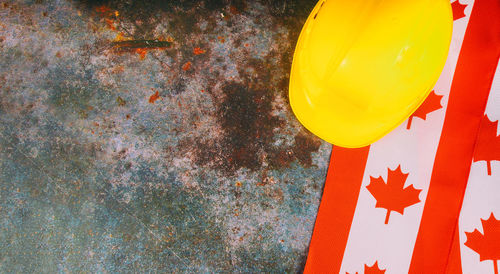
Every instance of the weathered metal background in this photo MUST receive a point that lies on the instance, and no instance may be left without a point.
(153, 136)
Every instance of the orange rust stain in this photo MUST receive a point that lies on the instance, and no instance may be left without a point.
(110, 16)
(198, 51)
(120, 37)
(103, 9)
(154, 97)
(110, 23)
(234, 10)
(186, 66)
(117, 69)
(142, 52)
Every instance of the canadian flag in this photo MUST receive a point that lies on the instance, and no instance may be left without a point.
(425, 198)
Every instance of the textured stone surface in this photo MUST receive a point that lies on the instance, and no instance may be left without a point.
(153, 137)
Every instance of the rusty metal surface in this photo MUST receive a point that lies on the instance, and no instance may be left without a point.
(153, 136)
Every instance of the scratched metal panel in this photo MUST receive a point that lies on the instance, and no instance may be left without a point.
(153, 136)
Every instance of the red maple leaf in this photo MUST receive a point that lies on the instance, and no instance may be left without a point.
(488, 143)
(393, 196)
(432, 103)
(487, 245)
(458, 10)
(374, 269)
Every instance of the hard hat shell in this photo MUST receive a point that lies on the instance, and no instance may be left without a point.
(362, 67)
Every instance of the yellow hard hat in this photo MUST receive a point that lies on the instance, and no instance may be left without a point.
(362, 67)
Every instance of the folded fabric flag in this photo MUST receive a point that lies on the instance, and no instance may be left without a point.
(426, 198)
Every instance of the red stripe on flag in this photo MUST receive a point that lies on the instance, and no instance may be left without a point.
(468, 96)
(336, 211)
(455, 262)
